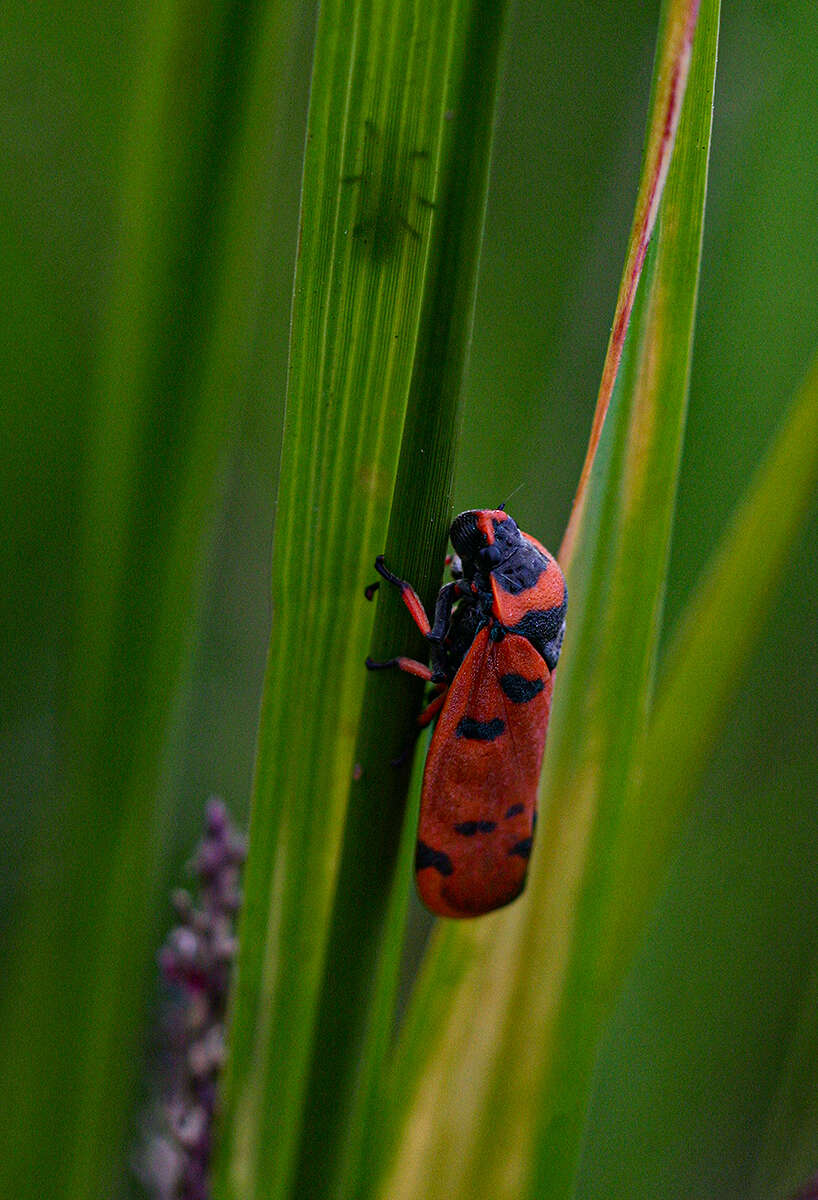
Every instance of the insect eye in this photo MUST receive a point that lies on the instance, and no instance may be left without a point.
(490, 555)
(466, 537)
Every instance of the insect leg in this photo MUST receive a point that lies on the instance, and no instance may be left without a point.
(408, 594)
(410, 665)
(443, 611)
(431, 710)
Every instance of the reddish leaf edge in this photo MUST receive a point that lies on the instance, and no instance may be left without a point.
(672, 85)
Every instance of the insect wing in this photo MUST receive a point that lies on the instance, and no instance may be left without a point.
(480, 784)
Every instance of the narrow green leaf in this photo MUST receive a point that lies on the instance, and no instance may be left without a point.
(501, 1106)
(600, 767)
(422, 1036)
(171, 372)
(356, 1018)
(392, 210)
(696, 1049)
(668, 92)
(720, 628)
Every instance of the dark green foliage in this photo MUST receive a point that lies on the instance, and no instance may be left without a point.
(148, 191)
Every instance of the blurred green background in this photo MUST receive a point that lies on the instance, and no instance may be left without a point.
(568, 140)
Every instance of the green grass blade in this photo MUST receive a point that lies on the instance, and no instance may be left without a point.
(170, 375)
(501, 1105)
(621, 647)
(391, 219)
(668, 92)
(695, 1056)
(356, 1018)
(422, 1033)
(719, 628)
(724, 913)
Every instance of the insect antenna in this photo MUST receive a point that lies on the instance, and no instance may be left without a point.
(503, 507)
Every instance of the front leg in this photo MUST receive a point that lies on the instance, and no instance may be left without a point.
(435, 634)
(410, 665)
(443, 611)
(439, 632)
(408, 595)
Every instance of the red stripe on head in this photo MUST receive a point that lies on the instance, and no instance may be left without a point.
(485, 524)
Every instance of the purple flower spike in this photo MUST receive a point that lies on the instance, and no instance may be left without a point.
(196, 962)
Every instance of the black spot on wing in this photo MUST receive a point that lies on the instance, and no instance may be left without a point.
(515, 810)
(470, 828)
(522, 848)
(480, 731)
(519, 689)
(425, 856)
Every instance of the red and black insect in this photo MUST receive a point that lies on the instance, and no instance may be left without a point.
(495, 642)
